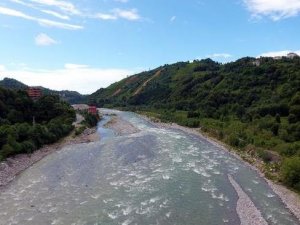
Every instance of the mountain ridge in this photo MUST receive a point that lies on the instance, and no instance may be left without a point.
(73, 97)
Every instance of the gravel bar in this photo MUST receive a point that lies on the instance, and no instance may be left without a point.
(248, 213)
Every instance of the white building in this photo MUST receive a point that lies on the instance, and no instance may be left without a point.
(292, 55)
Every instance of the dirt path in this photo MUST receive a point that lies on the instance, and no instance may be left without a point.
(146, 82)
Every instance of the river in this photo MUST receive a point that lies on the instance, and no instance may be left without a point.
(155, 176)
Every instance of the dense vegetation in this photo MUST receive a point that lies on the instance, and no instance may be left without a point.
(26, 125)
(89, 121)
(253, 105)
(71, 97)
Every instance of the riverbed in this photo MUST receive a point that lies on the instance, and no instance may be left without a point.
(148, 175)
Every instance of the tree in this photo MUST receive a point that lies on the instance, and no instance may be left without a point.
(290, 172)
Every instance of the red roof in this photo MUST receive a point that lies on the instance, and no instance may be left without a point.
(92, 110)
(34, 92)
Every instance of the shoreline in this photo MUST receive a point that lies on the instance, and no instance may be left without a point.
(15, 165)
(290, 199)
(120, 126)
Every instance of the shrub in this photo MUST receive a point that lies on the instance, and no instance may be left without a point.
(265, 156)
(6, 151)
(79, 130)
(192, 114)
(289, 149)
(275, 128)
(28, 147)
(233, 140)
(290, 172)
(292, 118)
(90, 120)
(277, 118)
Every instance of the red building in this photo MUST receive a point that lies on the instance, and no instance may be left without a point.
(93, 110)
(34, 92)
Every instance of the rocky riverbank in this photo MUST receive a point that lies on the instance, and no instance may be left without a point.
(248, 213)
(13, 166)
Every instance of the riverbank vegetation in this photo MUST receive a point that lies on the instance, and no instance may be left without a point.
(89, 121)
(252, 105)
(26, 125)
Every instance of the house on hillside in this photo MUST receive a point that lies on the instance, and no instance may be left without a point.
(34, 93)
(93, 110)
(256, 62)
(80, 107)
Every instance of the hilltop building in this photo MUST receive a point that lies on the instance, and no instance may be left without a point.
(277, 57)
(292, 55)
(256, 62)
(34, 93)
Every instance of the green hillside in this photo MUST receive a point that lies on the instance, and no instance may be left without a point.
(253, 105)
(71, 97)
(26, 125)
(12, 84)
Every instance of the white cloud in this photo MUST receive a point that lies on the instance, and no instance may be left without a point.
(64, 6)
(131, 14)
(71, 66)
(278, 53)
(122, 1)
(56, 14)
(104, 16)
(172, 19)
(43, 22)
(44, 40)
(2, 68)
(64, 10)
(219, 55)
(51, 23)
(15, 13)
(50, 12)
(82, 79)
(275, 9)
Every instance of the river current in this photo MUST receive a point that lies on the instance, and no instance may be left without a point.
(155, 176)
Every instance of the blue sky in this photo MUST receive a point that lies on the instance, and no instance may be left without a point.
(87, 44)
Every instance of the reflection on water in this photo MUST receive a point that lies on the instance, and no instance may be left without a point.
(156, 176)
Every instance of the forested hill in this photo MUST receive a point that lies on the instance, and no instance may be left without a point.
(252, 104)
(26, 125)
(71, 97)
(243, 88)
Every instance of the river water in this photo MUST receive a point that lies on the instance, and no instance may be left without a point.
(155, 176)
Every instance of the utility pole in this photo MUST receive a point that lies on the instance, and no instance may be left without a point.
(33, 121)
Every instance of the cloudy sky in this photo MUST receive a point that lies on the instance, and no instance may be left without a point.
(83, 45)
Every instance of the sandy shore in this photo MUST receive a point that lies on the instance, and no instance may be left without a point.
(13, 166)
(290, 199)
(120, 126)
